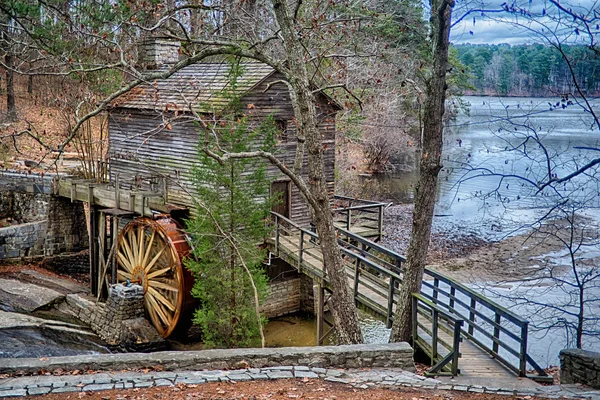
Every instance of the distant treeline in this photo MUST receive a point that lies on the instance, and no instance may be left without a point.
(530, 70)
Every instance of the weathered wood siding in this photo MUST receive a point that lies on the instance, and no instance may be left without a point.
(142, 145)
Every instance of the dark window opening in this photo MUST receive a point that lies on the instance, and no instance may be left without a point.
(282, 130)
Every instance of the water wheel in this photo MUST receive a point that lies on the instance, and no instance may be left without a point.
(150, 253)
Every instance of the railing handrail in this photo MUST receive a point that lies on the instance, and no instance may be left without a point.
(439, 309)
(371, 244)
(371, 202)
(295, 225)
(481, 299)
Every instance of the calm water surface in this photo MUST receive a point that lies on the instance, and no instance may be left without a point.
(470, 198)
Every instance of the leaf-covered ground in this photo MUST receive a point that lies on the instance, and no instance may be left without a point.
(272, 390)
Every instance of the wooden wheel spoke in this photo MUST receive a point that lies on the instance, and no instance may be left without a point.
(141, 239)
(134, 246)
(162, 285)
(154, 260)
(124, 274)
(124, 262)
(148, 251)
(161, 298)
(153, 315)
(159, 310)
(158, 273)
(128, 251)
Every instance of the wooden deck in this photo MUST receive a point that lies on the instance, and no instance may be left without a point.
(115, 195)
(375, 275)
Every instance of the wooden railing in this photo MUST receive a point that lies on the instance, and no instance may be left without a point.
(498, 331)
(444, 350)
(377, 271)
(349, 212)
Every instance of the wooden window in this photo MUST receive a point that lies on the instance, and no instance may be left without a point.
(282, 130)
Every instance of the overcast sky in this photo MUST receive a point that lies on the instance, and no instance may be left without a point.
(502, 27)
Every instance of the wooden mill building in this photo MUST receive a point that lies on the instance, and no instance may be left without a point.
(153, 132)
(153, 148)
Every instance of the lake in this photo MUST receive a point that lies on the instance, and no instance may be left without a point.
(486, 188)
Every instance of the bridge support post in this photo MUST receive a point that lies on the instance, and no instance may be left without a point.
(320, 313)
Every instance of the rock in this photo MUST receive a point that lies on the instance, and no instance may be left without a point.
(61, 285)
(26, 297)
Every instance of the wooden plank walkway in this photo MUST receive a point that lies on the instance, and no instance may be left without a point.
(475, 362)
(374, 273)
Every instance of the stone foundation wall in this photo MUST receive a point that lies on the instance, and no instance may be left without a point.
(120, 321)
(41, 224)
(67, 228)
(68, 264)
(580, 366)
(309, 295)
(284, 298)
(24, 240)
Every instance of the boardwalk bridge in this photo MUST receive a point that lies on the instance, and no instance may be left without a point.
(461, 331)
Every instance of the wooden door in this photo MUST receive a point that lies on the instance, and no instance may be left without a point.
(281, 190)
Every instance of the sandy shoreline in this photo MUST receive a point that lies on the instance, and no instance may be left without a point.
(468, 257)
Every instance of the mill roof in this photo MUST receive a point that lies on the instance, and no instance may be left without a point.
(204, 86)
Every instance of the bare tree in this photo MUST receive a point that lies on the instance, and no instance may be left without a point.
(429, 168)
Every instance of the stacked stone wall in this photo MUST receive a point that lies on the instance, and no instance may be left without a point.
(284, 297)
(23, 240)
(41, 224)
(580, 366)
(67, 229)
(120, 321)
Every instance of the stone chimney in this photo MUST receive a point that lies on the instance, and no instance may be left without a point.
(155, 53)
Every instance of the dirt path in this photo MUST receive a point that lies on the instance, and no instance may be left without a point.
(273, 390)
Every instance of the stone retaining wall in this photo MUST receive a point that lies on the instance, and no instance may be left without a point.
(580, 366)
(120, 321)
(24, 240)
(284, 297)
(41, 224)
(69, 264)
(390, 355)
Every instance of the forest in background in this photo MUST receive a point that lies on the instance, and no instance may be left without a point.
(530, 70)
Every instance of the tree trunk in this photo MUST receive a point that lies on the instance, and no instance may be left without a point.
(343, 308)
(429, 168)
(11, 108)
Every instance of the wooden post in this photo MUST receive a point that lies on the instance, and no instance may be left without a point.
(115, 235)
(434, 336)
(117, 193)
(101, 252)
(93, 254)
(277, 235)
(320, 313)
(380, 223)
(390, 303)
(452, 296)
(415, 316)
(496, 332)
(132, 201)
(456, 347)
(165, 189)
(301, 248)
(523, 350)
(472, 316)
(349, 219)
(436, 286)
(356, 277)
